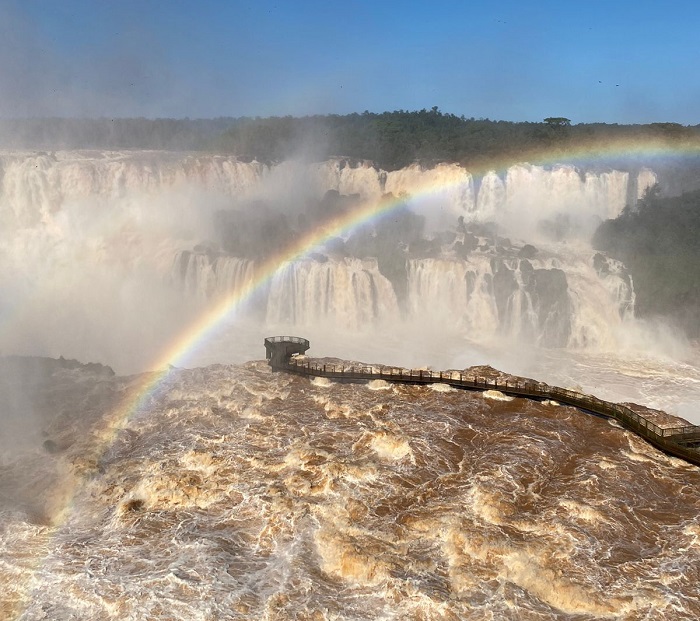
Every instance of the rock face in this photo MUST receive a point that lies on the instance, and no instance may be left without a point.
(36, 368)
(550, 299)
(528, 251)
(618, 278)
(541, 296)
(31, 392)
(256, 495)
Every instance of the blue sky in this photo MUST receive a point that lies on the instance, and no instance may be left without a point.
(597, 60)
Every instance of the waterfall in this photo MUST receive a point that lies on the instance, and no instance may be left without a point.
(574, 301)
(455, 292)
(350, 294)
(440, 194)
(106, 239)
(532, 196)
(36, 186)
(645, 179)
(544, 301)
(203, 276)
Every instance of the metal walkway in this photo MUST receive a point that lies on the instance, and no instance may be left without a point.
(683, 442)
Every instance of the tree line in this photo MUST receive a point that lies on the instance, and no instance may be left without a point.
(396, 139)
(391, 140)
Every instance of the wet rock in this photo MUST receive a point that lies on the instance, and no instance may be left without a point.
(527, 252)
(51, 447)
(600, 264)
(504, 286)
(549, 292)
(526, 271)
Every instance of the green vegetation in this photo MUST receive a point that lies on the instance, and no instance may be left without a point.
(558, 121)
(659, 242)
(393, 140)
(390, 139)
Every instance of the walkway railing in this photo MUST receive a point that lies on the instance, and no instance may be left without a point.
(683, 442)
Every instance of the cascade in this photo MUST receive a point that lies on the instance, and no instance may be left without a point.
(547, 301)
(340, 175)
(645, 179)
(350, 292)
(450, 195)
(491, 197)
(577, 300)
(454, 292)
(203, 276)
(36, 186)
(532, 195)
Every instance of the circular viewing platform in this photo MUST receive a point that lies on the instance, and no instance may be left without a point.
(279, 349)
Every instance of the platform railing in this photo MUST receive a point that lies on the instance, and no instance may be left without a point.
(287, 339)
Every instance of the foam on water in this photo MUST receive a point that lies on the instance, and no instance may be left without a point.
(496, 395)
(379, 385)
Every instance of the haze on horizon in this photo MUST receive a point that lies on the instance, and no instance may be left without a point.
(624, 62)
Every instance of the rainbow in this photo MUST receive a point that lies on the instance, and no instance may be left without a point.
(144, 388)
(201, 331)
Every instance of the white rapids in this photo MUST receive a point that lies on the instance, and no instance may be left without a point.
(243, 494)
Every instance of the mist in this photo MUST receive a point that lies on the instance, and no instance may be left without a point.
(111, 256)
(151, 173)
(97, 245)
(83, 273)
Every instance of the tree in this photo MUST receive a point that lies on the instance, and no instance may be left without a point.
(557, 121)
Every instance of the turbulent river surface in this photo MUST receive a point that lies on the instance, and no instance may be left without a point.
(236, 493)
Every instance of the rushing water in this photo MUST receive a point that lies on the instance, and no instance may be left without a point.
(246, 495)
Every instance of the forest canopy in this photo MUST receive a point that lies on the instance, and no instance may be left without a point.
(391, 140)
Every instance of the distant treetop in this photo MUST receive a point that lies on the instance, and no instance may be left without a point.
(558, 121)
